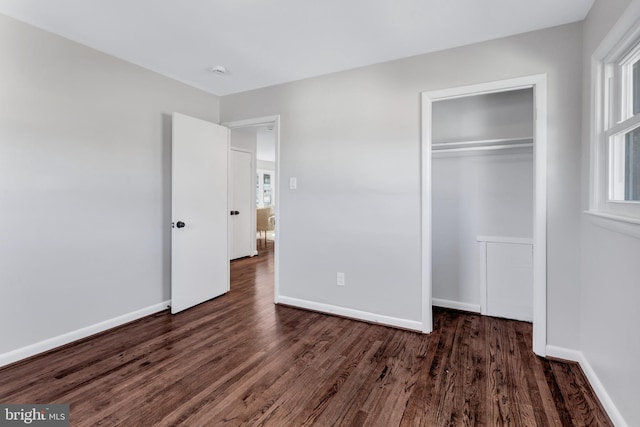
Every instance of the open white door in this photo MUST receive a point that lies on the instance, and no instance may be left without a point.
(199, 242)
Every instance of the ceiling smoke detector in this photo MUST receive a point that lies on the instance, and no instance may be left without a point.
(219, 69)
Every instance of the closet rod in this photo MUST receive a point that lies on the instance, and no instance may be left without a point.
(484, 147)
(484, 141)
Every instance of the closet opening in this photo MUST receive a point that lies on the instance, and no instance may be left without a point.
(484, 201)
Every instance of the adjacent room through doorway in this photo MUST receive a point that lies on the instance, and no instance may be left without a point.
(259, 138)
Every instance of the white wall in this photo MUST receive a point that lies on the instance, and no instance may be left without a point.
(610, 284)
(85, 164)
(244, 139)
(489, 116)
(353, 141)
(264, 164)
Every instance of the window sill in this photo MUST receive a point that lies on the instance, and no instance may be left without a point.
(626, 225)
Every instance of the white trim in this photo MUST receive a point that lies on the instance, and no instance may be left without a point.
(539, 84)
(456, 305)
(352, 314)
(278, 187)
(604, 397)
(228, 216)
(540, 219)
(597, 150)
(505, 239)
(260, 121)
(563, 353)
(613, 217)
(482, 247)
(425, 190)
(69, 337)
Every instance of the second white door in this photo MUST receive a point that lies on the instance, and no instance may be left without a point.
(242, 230)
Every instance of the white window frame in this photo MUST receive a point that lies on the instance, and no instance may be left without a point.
(611, 115)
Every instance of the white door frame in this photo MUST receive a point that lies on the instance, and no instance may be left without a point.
(275, 121)
(539, 85)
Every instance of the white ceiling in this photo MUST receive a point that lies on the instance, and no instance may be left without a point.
(263, 43)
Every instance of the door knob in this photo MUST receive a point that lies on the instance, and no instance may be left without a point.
(236, 213)
(180, 224)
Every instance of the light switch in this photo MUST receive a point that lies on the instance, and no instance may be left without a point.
(293, 183)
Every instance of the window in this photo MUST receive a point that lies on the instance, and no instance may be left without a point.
(623, 129)
(616, 130)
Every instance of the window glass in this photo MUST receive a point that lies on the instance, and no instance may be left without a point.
(624, 166)
(632, 165)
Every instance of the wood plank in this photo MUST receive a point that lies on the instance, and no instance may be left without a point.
(541, 400)
(578, 394)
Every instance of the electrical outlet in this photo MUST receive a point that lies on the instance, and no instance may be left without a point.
(340, 279)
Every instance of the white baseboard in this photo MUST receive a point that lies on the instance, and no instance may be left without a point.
(464, 306)
(563, 353)
(596, 384)
(351, 313)
(69, 337)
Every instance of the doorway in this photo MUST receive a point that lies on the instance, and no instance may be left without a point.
(537, 141)
(265, 144)
(265, 187)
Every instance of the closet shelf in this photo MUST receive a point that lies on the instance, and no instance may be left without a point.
(481, 145)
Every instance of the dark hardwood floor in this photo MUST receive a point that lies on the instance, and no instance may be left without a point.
(241, 360)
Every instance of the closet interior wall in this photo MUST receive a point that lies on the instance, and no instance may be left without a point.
(482, 185)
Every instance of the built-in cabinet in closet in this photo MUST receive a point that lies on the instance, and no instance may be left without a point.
(482, 196)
